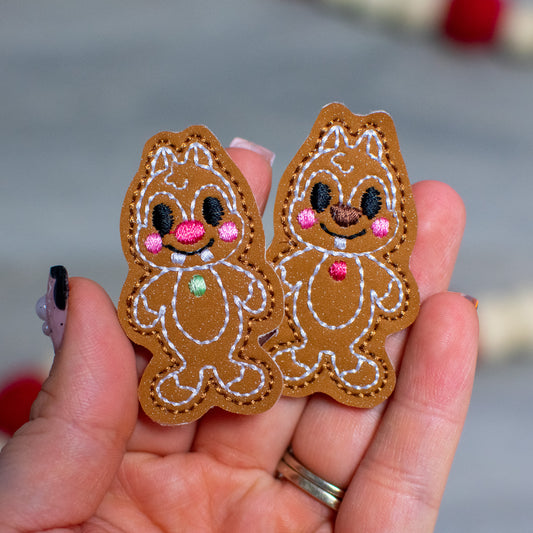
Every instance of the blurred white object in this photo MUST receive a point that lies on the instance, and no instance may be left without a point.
(515, 33)
(506, 324)
(420, 15)
(511, 29)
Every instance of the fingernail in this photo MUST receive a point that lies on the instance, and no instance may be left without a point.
(266, 154)
(474, 301)
(52, 307)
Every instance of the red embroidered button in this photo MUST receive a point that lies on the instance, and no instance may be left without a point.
(338, 270)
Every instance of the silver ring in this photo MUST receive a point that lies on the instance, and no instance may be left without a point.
(292, 470)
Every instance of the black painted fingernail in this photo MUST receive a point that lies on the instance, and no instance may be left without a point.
(52, 308)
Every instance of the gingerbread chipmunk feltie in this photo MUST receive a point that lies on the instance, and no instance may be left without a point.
(345, 226)
(199, 291)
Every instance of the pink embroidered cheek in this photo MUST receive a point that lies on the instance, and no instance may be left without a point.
(306, 218)
(190, 232)
(154, 243)
(338, 270)
(228, 232)
(380, 227)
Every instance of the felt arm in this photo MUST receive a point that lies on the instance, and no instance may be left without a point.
(249, 289)
(391, 294)
(146, 312)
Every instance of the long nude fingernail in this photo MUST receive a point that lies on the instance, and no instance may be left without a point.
(267, 154)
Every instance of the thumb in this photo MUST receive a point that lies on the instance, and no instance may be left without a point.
(56, 468)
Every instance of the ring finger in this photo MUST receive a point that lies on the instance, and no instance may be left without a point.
(331, 438)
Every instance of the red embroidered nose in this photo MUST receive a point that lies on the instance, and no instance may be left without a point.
(190, 232)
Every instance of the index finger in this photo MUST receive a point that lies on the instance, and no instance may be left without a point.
(255, 163)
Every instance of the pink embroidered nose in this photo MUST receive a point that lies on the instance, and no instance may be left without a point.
(190, 232)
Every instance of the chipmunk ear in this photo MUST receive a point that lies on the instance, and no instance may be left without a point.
(163, 161)
(330, 140)
(200, 155)
(374, 146)
(333, 139)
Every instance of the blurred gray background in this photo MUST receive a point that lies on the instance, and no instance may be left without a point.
(84, 85)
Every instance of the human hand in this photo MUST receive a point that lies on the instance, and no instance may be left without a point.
(89, 460)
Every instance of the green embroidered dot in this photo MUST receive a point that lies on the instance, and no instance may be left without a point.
(197, 285)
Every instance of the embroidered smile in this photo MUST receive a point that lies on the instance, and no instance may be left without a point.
(348, 237)
(194, 252)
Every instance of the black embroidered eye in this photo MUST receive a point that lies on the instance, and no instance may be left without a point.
(212, 211)
(371, 202)
(320, 196)
(162, 219)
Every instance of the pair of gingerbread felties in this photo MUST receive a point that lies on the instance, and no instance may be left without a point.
(200, 294)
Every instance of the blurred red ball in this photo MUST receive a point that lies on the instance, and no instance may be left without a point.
(16, 399)
(473, 21)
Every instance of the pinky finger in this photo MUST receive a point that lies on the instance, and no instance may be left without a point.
(398, 485)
